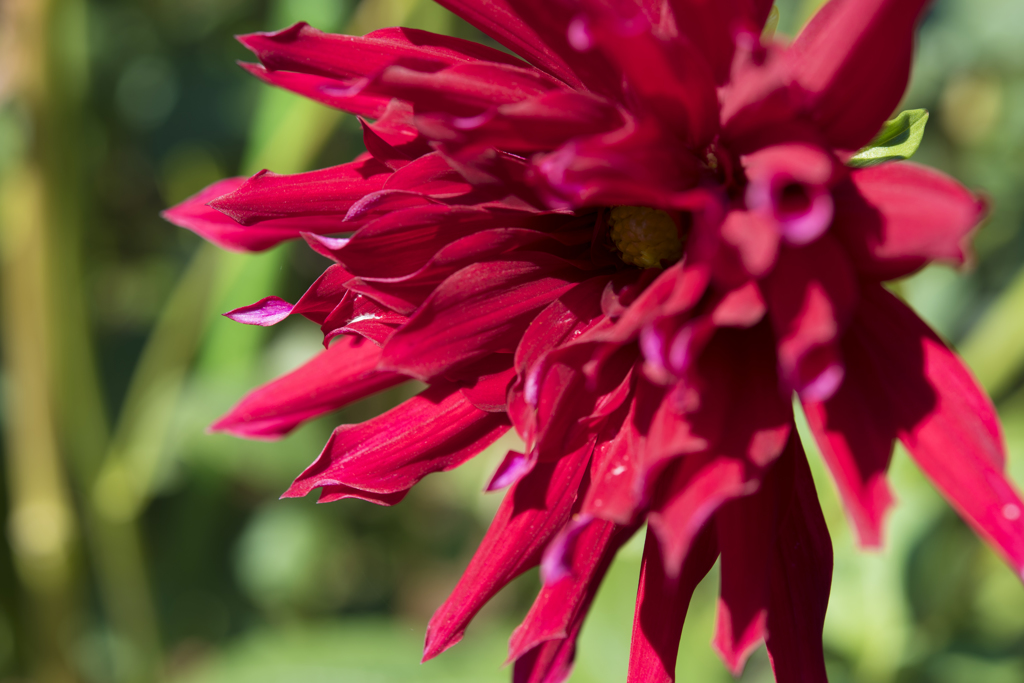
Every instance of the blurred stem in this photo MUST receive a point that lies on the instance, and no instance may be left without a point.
(41, 529)
(80, 426)
(40, 517)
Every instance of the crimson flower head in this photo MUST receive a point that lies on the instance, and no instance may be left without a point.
(634, 243)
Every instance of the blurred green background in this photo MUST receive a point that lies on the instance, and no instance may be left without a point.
(139, 548)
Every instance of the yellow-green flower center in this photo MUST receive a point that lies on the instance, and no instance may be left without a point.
(645, 237)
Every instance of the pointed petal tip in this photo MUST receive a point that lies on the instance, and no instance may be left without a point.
(281, 35)
(434, 645)
(233, 426)
(735, 654)
(297, 490)
(514, 467)
(264, 313)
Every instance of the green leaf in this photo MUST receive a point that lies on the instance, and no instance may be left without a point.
(899, 139)
(770, 25)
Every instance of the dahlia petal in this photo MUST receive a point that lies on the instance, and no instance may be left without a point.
(429, 175)
(382, 150)
(700, 485)
(435, 431)
(661, 605)
(612, 494)
(535, 124)
(743, 306)
(855, 435)
(549, 662)
(563, 319)
(324, 294)
(489, 392)
(945, 420)
(569, 395)
(194, 214)
(681, 97)
(636, 165)
(679, 429)
(790, 183)
(514, 466)
(465, 89)
(475, 312)
(375, 330)
(801, 578)
(323, 245)
(728, 404)
(562, 604)
(329, 494)
(676, 290)
(305, 49)
(746, 530)
(533, 510)
(396, 127)
(543, 40)
(811, 295)
(760, 104)
(749, 244)
(759, 421)
(267, 311)
(407, 293)
(711, 26)
(328, 91)
(326, 192)
(556, 562)
(501, 21)
(403, 241)
(336, 377)
(894, 218)
(353, 307)
(853, 60)
(316, 304)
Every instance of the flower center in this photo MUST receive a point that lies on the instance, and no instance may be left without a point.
(644, 237)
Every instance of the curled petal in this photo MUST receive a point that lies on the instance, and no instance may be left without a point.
(791, 184)
(811, 296)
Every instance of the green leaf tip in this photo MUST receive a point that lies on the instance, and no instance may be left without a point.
(770, 25)
(899, 139)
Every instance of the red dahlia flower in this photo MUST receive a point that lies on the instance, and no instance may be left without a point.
(634, 245)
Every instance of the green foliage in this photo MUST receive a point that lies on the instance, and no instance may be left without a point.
(899, 139)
